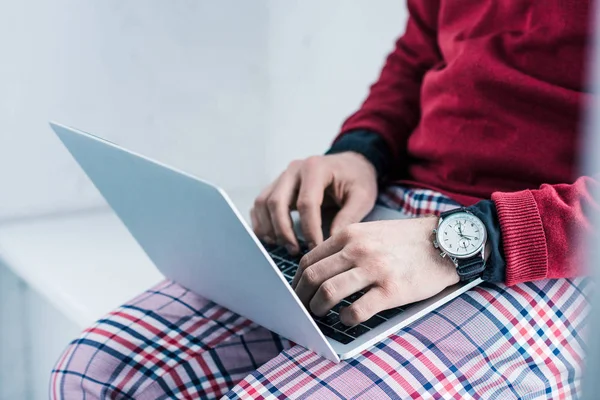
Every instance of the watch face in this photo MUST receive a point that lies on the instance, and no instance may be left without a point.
(461, 235)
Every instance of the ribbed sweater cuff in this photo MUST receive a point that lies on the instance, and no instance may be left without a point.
(523, 237)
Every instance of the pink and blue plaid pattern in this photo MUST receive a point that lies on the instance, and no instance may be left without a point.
(493, 342)
(415, 202)
(490, 343)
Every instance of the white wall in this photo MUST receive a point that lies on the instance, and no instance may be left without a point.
(183, 81)
(323, 55)
(229, 90)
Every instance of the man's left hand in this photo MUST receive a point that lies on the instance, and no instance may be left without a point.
(393, 261)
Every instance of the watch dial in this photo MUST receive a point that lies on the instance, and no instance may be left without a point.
(461, 235)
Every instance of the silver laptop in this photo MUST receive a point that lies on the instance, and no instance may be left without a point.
(195, 236)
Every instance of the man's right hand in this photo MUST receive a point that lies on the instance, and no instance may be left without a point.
(347, 179)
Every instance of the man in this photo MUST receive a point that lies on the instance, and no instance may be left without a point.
(479, 105)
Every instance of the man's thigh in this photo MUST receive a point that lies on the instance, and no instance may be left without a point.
(492, 342)
(167, 342)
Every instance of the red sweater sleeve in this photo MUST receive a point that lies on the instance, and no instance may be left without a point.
(544, 230)
(392, 106)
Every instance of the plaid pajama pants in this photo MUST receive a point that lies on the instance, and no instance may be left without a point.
(492, 342)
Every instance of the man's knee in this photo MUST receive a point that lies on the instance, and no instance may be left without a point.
(111, 359)
(86, 368)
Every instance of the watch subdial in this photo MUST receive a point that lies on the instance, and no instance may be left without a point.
(463, 243)
(458, 227)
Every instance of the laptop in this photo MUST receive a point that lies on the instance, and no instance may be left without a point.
(193, 233)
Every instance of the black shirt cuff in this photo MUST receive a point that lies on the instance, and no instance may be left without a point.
(495, 269)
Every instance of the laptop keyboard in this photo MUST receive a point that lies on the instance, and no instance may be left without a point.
(330, 324)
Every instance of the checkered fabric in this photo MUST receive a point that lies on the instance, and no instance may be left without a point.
(416, 202)
(491, 342)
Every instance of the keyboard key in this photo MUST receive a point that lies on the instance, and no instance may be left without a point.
(279, 252)
(341, 327)
(392, 312)
(330, 319)
(285, 266)
(269, 247)
(357, 330)
(337, 307)
(280, 264)
(374, 321)
(295, 259)
(335, 335)
(291, 271)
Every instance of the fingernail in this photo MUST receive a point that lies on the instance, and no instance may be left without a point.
(291, 249)
(311, 245)
(269, 240)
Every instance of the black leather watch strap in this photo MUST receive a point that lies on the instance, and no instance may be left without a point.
(454, 211)
(470, 268)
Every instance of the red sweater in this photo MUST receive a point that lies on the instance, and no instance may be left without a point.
(483, 100)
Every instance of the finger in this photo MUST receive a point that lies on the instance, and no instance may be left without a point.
(335, 289)
(314, 180)
(255, 223)
(326, 249)
(278, 203)
(354, 209)
(313, 277)
(365, 307)
(260, 217)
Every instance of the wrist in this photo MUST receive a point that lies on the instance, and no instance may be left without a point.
(449, 272)
(357, 158)
(368, 144)
(452, 277)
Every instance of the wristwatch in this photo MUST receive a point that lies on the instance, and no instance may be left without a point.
(461, 236)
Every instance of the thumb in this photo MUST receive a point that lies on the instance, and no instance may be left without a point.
(354, 209)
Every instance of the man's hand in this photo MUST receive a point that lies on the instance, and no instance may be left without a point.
(347, 179)
(394, 261)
